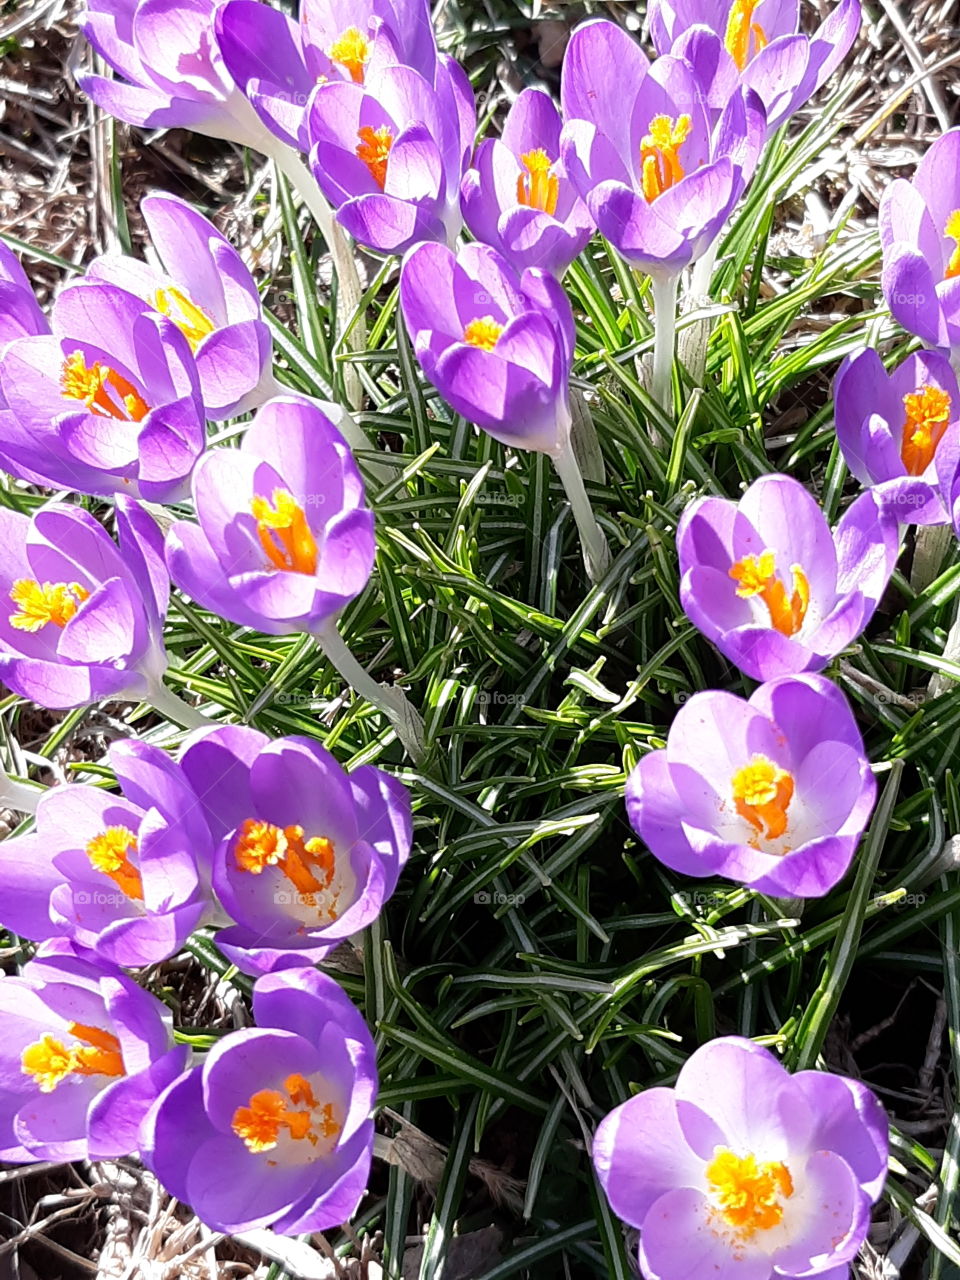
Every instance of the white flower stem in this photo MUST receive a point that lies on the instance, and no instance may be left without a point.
(596, 552)
(940, 683)
(349, 289)
(174, 708)
(392, 702)
(665, 289)
(19, 796)
(930, 548)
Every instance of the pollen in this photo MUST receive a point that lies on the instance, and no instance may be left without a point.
(109, 852)
(660, 164)
(352, 51)
(192, 321)
(952, 232)
(103, 390)
(927, 416)
(374, 151)
(49, 1061)
(747, 1195)
(260, 1123)
(43, 602)
(757, 576)
(483, 333)
(538, 188)
(741, 30)
(762, 793)
(309, 864)
(284, 533)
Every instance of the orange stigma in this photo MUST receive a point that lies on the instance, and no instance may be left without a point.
(374, 151)
(928, 414)
(740, 29)
(109, 852)
(40, 603)
(191, 320)
(284, 533)
(757, 577)
(747, 1195)
(352, 51)
(483, 333)
(538, 188)
(660, 163)
(105, 392)
(49, 1061)
(309, 865)
(952, 232)
(260, 1122)
(762, 793)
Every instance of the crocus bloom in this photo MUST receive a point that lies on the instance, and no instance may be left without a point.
(84, 1054)
(108, 403)
(743, 1170)
(170, 74)
(920, 235)
(120, 875)
(278, 62)
(756, 44)
(658, 177)
(390, 153)
(20, 314)
(517, 196)
(81, 619)
(282, 1109)
(774, 793)
(285, 538)
(772, 586)
(497, 345)
(900, 431)
(307, 854)
(208, 293)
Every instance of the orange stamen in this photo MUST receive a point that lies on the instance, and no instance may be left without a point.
(284, 533)
(49, 1061)
(309, 865)
(109, 852)
(757, 577)
(661, 167)
(352, 51)
(40, 603)
(192, 321)
(103, 390)
(374, 150)
(538, 188)
(952, 231)
(747, 1195)
(762, 793)
(928, 415)
(740, 29)
(259, 1123)
(483, 333)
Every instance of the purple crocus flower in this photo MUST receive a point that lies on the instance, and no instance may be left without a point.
(123, 876)
(83, 620)
(390, 154)
(772, 586)
(743, 1170)
(756, 44)
(496, 344)
(83, 1056)
(20, 314)
(284, 1107)
(658, 177)
(900, 431)
(774, 792)
(285, 538)
(108, 403)
(517, 196)
(208, 293)
(307, 853)
(278, 62)
(169, 71)
(920, 235)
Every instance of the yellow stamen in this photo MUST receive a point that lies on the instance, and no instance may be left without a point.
(49, 1061)
(952, 232)
(483, 333)
(309, 865)
(105, 392)
(538, 188)
(928, 414)
(747, 1195)
(40, 603)
(352, 51)
(374, 150)
(109, 852)
(660, 163)
(762, 793)
(259, 1123)
(284, 533)
(757, 577)
(192, 321)
(740, 29)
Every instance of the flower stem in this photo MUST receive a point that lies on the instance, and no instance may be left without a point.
(596, 552)
(391, 701)
(19, 796)
(929, 551)
(940, 683)
(665, 290)
(349, 290)
(172, 706)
